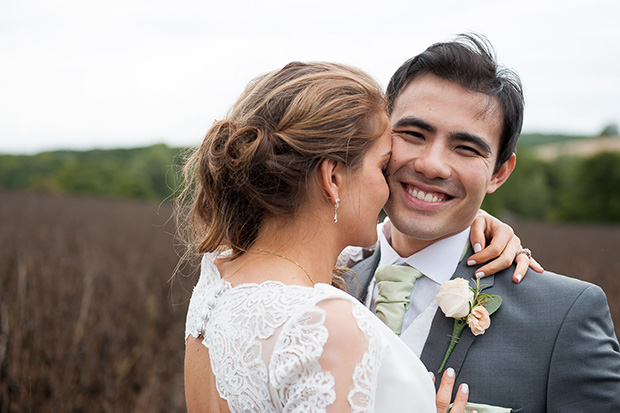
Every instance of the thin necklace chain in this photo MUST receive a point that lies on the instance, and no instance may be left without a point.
(288, 259)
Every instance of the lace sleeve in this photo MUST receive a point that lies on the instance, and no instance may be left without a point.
(325, 359)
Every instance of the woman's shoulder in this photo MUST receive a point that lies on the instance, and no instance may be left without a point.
(341, 303)
(342, 318)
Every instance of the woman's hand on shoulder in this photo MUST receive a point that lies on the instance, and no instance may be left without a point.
(504, 248)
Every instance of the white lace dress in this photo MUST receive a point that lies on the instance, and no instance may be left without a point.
(279, 348)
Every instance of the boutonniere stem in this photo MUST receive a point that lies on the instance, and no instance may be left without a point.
(468, 306)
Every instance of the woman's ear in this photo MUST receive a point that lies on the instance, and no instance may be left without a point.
(330, 178)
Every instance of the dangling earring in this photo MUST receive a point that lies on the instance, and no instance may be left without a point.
(336, 206)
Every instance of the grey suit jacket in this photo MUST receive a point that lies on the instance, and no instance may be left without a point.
(550, 347)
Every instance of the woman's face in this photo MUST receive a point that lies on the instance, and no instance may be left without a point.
(367, 191)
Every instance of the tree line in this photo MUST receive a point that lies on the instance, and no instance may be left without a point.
(138, 173)
(565, 189)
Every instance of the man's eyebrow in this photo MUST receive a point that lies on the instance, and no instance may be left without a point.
(416, 122)
(473, 139)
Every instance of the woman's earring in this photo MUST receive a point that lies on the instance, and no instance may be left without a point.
(336, 206)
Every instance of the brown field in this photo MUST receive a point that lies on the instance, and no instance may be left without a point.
(90, 322)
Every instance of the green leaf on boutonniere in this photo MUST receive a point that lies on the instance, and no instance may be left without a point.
(493, 303)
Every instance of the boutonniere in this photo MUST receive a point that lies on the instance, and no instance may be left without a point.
(468, 306)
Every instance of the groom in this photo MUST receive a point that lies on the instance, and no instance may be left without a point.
(456, 117)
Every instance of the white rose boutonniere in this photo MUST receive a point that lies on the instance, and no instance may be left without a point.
(455, 298)
(468, 306)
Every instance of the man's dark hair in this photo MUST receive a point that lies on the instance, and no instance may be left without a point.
(469, 60)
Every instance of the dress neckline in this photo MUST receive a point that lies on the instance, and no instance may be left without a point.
(208, 260)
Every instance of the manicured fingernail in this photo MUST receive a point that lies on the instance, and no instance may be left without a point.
(477, 247)
(479, 274)
(450, 372)
(464, 388)
(518, 277)
(430, 373)
(471, 262)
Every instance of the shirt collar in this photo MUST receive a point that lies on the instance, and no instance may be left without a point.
(438, 261)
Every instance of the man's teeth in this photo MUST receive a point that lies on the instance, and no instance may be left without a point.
(428, 197)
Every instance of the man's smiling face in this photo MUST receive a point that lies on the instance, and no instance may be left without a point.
(445, 145)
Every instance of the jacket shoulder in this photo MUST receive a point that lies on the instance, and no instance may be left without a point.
(359, 275)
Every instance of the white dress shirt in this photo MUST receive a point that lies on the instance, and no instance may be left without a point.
(437, 262)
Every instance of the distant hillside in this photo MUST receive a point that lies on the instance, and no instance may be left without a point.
(139, 173)
(582, 147)
(532, 140)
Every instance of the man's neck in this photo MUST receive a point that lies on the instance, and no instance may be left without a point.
(437, 260)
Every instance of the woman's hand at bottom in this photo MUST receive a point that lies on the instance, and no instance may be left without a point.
(444, 394)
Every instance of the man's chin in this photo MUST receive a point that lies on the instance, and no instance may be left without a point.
(423, 229)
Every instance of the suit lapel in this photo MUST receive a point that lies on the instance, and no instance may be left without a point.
(441, 329)
(365, 270)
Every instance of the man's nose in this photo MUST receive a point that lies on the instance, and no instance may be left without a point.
(433, 163)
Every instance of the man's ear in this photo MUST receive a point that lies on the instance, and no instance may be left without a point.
(500, 176)
(330, 178)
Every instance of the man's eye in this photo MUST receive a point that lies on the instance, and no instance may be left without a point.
(412, 134)
(469, 149)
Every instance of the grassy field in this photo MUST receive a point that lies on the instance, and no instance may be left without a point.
(588, 252)
(90, 322)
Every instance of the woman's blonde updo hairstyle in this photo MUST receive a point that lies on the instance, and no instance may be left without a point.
(259, 160)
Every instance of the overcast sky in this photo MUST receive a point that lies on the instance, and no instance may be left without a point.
(82, 74)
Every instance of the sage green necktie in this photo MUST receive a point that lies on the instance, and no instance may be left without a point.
(395, 284)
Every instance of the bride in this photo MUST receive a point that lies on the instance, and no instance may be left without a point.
(293, 175)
